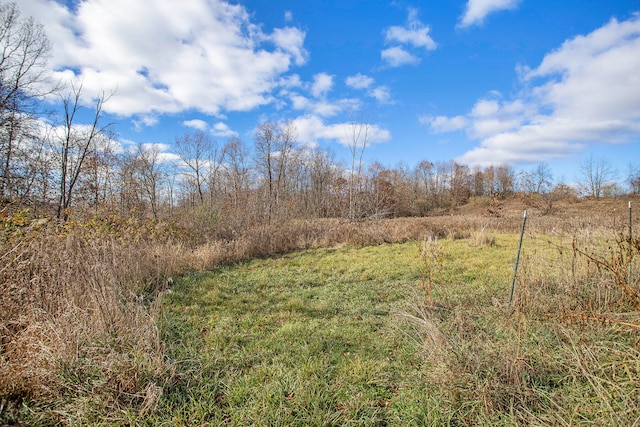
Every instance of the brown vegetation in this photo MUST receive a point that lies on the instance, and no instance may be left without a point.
(84, 297)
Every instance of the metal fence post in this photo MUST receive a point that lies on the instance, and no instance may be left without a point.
(515, 269)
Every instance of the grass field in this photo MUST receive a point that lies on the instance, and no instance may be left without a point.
(347, 336)
(343, 327)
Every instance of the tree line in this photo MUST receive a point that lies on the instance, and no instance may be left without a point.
(53, 163)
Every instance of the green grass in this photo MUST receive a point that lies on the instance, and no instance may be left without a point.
(321, 338)
(308, 338)
(299, 340)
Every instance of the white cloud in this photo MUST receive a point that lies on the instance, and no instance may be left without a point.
(221, 129)
(300, 102)
(594, 75)
(485, 107)
(315, 101)
(490, 116)
(381, 94)
(477, 10)
(321, 108)
(291, 81)
(288, 15)
(397, 57)
(322, 84)
(441, 124)
(196, 124)
(167, 57)
(327, 109)
(312, 129)
(414, 34)
(359, 81)
(145, 120)
(290, 40)
(586, 91)
(163, 151)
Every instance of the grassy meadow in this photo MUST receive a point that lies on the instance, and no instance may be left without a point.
(402, 323)
(348, 336)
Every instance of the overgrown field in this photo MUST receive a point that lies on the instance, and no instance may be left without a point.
(349, 337)
(321, 324)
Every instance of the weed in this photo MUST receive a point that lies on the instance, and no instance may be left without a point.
(431, 256)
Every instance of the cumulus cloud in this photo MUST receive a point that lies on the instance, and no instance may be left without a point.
(312, 96)
(196, 124)
(145, 120)
(162, 151)
(359, 81)
(414, 34)
(585, 91)
(322, 84)
(290, 81)
(397, 57)
(442, 124)
(312, 129)
(166, 57)
(477, 10)
(321, 108)
(381, 94)
(290, 40)
(221, 129)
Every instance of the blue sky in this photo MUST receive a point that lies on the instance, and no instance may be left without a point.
(478, 81)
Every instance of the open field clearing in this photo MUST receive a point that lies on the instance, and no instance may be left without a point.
(395, 322)
(207, 218)
(346, 337)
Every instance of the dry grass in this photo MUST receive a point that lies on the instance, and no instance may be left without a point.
(80, 302)
(79, 305)
(565, 353)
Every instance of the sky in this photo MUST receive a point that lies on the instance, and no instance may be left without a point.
(476, 81)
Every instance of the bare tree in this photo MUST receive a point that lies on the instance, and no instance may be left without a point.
(96, 182)
(595, 174)
(152, 174)
(73, 143)
(442, 184)
(505, 180)
(274, 146)
(322, 172)
(266, 147)
(129, 184)
(543, 178)
(196, 151)
(24, 50)
(633, 179)
(357, 138)
(287, 135)
(235, 159)
(461, 184)
(477, 182)
(381, 198)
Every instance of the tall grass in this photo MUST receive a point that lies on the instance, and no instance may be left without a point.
(80, 301)
(565, 354)
(80, 304)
